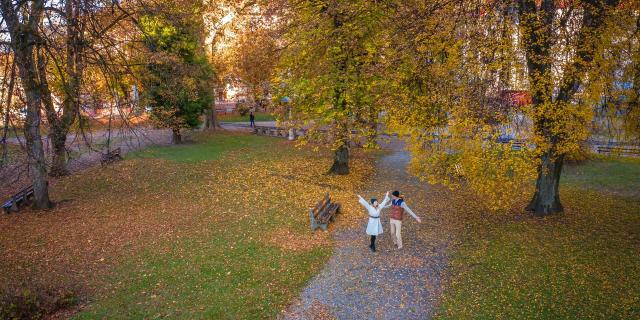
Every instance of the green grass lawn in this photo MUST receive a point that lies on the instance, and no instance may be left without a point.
(208, 149)
(202, 230)
(260, 116)
(230, 266)
(616, 175)
(221, 274)
(583, 264)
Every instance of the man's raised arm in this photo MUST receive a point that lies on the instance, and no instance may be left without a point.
(407, 209)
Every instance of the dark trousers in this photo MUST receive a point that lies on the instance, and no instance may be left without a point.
(373, 243)
(252, 123)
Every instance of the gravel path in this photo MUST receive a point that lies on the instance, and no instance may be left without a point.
(391, 283)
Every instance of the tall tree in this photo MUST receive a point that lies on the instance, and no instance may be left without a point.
(228, 22)
(469, 73)
(614, 85)
(23, 20)
(254, 59)
(553, 101)
(75, 30)
(176, 78)
(325, 69)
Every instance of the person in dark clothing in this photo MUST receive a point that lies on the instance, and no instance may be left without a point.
(252, 120)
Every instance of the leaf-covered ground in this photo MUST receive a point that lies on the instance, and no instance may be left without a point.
(219, 229)
(466, 263)
(214, 229)
(583, 264)
(391, 283)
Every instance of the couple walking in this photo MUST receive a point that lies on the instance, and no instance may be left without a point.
(398, 208)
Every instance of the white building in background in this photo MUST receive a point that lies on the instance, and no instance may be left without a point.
(229, 95)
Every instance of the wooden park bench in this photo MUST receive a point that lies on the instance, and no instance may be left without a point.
(323, 213)
(623, 151)
(20, 199)
(111, 156)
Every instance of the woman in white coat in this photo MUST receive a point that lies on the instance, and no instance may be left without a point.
(374, 227)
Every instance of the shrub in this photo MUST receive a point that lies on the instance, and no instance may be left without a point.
(242, 108)
(21, 305)
(34, 301)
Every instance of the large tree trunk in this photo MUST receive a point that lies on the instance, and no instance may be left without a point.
(58, 154)
(372, 135)
(214, 118)
(176, 136)
(24, 40)
(35, 150)
(341, 154)
(340, 161)
(546, 199)
(207, 120)
(538, 37)
(211, 119)
(59, 124)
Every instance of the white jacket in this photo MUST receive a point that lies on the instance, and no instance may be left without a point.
(374, 227)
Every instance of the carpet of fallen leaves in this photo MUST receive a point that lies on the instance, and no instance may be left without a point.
(226, 236)
(583, 264)
(391, 283)
(115, 228)
(464, 262)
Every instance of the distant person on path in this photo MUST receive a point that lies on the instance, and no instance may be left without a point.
(398, 208)
(374, 227)
(252, 120)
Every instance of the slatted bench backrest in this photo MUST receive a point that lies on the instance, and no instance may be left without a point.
(322, 205)
(18, 199)
(24, 193)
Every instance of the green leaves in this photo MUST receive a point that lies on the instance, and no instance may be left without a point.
(176, 77)
(448, 77)
(329, 67)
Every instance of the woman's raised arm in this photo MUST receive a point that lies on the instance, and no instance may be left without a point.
(364, 202)
(384, 202)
